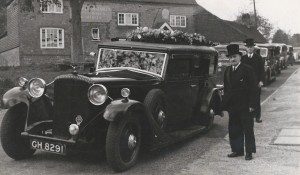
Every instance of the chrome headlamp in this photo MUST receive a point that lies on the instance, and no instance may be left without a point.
(97, 94)
(36, 87)
(22, 81)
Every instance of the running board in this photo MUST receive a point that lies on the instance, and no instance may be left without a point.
(187, 132)
(179, 136)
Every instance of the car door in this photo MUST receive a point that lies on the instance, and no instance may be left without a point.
(205, 79)
(178, 91)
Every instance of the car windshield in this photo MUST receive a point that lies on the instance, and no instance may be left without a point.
(264, 52)
(150, 62)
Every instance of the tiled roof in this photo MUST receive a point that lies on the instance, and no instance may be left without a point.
(250, 32)
(183, 2)
(218, 30)
(215, 29)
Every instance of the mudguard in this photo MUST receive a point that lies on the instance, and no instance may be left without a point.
(120, 107)
(207, 99)
(15, 96)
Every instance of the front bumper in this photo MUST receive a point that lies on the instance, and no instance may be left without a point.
(43, 131)
(71, 141)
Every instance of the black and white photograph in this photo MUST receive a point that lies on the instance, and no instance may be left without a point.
(154, 87)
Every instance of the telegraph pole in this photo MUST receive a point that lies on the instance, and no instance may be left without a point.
(255, 14)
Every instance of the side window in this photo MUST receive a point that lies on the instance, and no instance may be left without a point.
(212, 63)
(208, 62)
(200, 65)
(179, 66)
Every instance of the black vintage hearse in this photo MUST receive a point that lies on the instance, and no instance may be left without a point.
(140, 95)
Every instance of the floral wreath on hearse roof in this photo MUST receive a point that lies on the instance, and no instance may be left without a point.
(145, 34)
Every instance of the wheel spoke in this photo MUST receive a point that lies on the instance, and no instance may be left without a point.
(128, 143)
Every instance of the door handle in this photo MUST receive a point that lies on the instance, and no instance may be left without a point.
(193, 85)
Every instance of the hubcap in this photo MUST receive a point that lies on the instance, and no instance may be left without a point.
(131, 141)
(161, 118)
(212, 112)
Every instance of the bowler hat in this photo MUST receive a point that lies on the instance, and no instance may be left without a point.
(233, 49)
(249, 42)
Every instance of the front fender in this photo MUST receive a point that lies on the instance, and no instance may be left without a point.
(15, 96)
(118, 108)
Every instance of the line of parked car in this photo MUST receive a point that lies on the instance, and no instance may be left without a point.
(138, 96)
(277, 57)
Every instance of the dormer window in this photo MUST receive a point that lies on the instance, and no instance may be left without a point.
(47, 6)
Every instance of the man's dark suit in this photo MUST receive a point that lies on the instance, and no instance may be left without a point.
(257, 64)
(239, 95)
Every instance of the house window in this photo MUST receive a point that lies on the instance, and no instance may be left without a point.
(177, 21)
(95, 34)
(52, 38)
(51, 7)
(128, 19)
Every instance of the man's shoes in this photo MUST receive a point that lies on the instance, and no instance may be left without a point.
(258, 120)
(234, 154)
(248, 156)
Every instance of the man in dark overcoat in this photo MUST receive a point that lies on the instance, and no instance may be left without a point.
(257, 63)
(239, 101)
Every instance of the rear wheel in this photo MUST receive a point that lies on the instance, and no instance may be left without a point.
(268, 77)
(123, 143)
(207, 119)
(13, 123)
(278, 70)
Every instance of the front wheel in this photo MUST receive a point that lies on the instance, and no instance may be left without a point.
(14, 145)
(123, 142)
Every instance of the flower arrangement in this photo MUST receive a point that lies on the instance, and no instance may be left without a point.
(145, 34)
(151, 62)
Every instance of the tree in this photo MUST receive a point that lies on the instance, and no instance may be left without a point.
(76, 42)
(296, 40)
(2, 20)
(281, 37)
(263, 24)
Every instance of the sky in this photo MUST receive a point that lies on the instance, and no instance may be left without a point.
(283, 14)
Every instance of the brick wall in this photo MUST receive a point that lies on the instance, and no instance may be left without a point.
(11, 40)
(150, 15)
(10, 57)
(24, 32)
(30, 25)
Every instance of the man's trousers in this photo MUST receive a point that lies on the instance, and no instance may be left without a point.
(257, 110)
(241, 131)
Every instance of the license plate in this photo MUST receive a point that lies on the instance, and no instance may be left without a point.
(57, 148)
